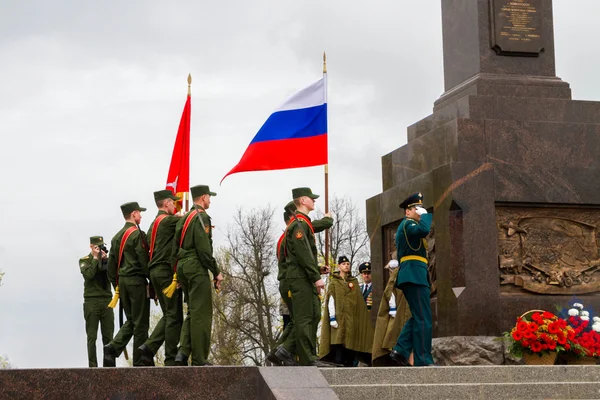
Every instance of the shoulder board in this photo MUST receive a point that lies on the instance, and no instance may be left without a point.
(85, 258)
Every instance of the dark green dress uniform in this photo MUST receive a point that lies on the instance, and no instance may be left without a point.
(132, 283)
(302, 273)
(96, 296)
(284, 288)
(194, 261)
(168, 328)
(414, 282)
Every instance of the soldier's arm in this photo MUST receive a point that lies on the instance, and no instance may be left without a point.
(203, 247)
(142, 253)
(297, 238)
(88, 268)
(319, 225)
(112, 263)
(420, 229)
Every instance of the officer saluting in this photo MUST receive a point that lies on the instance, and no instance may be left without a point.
(414, 283)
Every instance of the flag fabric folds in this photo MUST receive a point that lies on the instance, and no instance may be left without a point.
(294, 135)
(178, 180)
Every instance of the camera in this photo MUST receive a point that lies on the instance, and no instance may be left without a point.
(103, 248)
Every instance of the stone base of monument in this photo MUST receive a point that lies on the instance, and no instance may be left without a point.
(474, 382)
(472, 350)
(248, 383)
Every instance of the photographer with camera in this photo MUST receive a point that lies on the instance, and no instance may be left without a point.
(96, 296)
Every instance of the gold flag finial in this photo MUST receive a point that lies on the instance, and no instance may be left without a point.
(189, 84)
(324, 63)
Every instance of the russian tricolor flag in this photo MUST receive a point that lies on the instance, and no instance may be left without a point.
(294, 136)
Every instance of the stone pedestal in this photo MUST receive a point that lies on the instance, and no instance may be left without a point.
(509, 165)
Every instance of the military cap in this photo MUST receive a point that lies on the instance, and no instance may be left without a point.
(364, 267)
(201, 190)
(97, 240)
(165, 194)
(128, 208)
(343, 259)
(412, 200)
(303, 191)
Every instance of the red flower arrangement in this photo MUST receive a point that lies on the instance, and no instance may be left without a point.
(586, 336)
(541, 332)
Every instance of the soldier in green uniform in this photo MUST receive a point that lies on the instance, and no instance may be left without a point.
(96, 296)
(168, 328)
(284, 288)
(346, 329)
(304, 279)
(413, 280)
(193, 242)
(128, 272)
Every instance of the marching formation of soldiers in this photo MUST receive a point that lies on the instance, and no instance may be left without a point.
(174, 261)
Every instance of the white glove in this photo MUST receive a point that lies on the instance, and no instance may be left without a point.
(392, 313)
(393, 264)
(333, 323)
(421, 210)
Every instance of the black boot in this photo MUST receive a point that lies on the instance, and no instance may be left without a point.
(285, 358)
(146, 356)
(398, 359)
(273, 359)
(110, 356)
(181, 359)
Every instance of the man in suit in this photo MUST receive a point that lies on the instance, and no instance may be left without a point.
(366, 288)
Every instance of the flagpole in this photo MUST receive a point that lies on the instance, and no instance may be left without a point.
(187, 194)
(326, 167)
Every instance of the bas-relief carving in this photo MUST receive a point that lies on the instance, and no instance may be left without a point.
(549, 250)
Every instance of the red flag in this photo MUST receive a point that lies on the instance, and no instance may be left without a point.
(178, 180)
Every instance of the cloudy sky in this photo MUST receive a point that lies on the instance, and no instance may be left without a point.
(92, 93)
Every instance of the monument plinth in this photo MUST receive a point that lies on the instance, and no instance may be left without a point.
(508, 163)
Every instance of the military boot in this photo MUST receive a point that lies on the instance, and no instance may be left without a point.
(146, 356)
(285, 358)
(181, 359)
(110, 356)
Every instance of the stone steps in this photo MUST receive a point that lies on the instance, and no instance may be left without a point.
(474, 382)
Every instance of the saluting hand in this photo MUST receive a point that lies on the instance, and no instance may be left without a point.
(420, 210)
(325, 269)
(328, 215)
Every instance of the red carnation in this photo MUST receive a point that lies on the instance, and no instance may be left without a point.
(548, 315)
(536, 347)
(529, 335)
(522, 326)
(536, 317)
(517, 335)
(567, 346)
(552, 346)
(533, 326)
(571, 334)
(553, 328)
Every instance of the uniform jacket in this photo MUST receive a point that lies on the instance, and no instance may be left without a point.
(197, 244)
(410, 241)
(95, 279)
(134, 262)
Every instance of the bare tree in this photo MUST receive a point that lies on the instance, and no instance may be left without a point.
(348, 236)
(247, 311)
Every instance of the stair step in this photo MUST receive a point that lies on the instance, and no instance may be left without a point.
(463, 374)
(463, 391)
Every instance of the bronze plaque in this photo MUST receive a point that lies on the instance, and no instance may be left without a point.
(516, 27)
(549, 250)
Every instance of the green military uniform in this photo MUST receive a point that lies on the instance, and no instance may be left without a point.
(284, 288)
(194, 261)
(353, 336)
(392, 315)
(302, 273)
(168, 328)
(96, 296)
(131, 279)
(413, 280)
